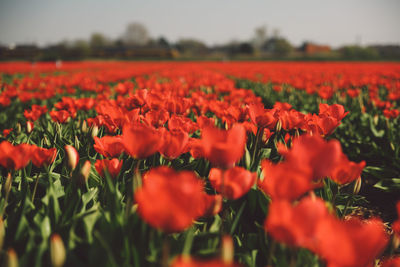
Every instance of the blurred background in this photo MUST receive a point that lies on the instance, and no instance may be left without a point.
(47, 30)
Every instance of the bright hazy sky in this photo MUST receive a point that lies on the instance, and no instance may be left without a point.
(213, 21)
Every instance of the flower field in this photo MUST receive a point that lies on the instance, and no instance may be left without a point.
(200, 164)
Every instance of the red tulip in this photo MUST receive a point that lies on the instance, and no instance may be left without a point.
(296, 225)
(232, 183)
(391, 262)
(187, 261)
(113, 166)
(43, 156)
(140, 140)
(173, 143)
(350, 243)
(396, 224)
(60, 116)
(109, 146)
(286, 180)
(218, 145)
(14, 157)
(170, 200)
(347, 171)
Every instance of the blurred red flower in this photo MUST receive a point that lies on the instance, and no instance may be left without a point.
(112, 166)
(42, 156)
(223, 148)
(232, 183)
(14, 157)
(109, 146)
(140, 140)
(170, 200)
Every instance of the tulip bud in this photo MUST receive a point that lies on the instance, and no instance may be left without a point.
(29, 126)
(7, 185)
(95, 130)
(57, 251)
(357, 186)
(2, 233)
(278, 126)
(396, 241)
(73, 156)
(85, 171)
(84, 127)
(12, 258)
(227, 249)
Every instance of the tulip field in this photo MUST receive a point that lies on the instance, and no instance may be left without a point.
(200, 164)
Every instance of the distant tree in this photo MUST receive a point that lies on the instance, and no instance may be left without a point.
(163, 42)
(283, 47)
(260, 36)
(245, 48)
(191, 46)
(97, 40)
(136, 34)
(358, 52)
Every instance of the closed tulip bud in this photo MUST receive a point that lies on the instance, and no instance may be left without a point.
(84, 127)
(2, 233)
(73, 156)
(7, 184)
(12, 258)
(29, 126)
(396, 241)
(357, 186)
(57, 251)
(95, 130)
(227, 249)
(278, 125)
(18, 127)
(85, 171)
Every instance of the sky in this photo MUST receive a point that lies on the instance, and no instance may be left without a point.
(335, 23)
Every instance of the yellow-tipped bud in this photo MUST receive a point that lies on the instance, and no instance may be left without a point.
(12, 258)
(227, 249)
(57, 251)
(8, 184)
(29, 126)
(73, 156)
(95, 130)
(357, 186)
(85, 171)
(2, 233)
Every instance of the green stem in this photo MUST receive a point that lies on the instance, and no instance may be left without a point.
(34, 189)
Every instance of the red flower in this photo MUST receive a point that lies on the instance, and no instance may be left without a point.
(232, 183)
(262, 117)
(187, 261)
(218, 145)
(296, 225)
(336, 111)
(313, 151)
(60, 116)
(113, 166)
(391, 262)
(174, 143)
(286, 180)
(170, 200)
(140, 140)
(14, 157)
(350, 243)
(43, 156)
(347, 171)
(35, 112)
(6, 132)
(109, 146)
(396, 224)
